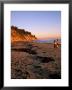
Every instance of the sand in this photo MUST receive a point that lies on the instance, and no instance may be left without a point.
(31, 60)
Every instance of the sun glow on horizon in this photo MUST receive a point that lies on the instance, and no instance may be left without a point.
(48, 35)
(46, 38)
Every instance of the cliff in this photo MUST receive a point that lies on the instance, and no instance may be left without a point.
(21, 35)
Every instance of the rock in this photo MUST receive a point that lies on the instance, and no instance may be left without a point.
(45, 59)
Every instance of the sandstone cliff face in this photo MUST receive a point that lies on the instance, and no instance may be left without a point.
(21, 35)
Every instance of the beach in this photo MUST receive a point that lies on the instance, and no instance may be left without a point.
(33, 60)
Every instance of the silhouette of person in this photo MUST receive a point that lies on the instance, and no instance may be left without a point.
(55, 43)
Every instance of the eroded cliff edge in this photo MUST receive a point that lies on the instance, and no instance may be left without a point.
(21, 35)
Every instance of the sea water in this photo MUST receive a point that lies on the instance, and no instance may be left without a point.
(46, 41)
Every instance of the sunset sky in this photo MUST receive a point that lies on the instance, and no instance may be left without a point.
(43, 24)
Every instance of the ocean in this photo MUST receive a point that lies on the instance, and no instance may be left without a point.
(47, 41)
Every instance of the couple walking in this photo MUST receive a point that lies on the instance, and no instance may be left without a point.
(56, 44)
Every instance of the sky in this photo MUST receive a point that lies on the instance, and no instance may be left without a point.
(42, 24)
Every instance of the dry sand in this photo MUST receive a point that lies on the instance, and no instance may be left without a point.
(30, 60)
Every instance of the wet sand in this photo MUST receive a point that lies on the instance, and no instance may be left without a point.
(31, 60)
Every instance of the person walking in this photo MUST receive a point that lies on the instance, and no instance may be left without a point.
(55, 43)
